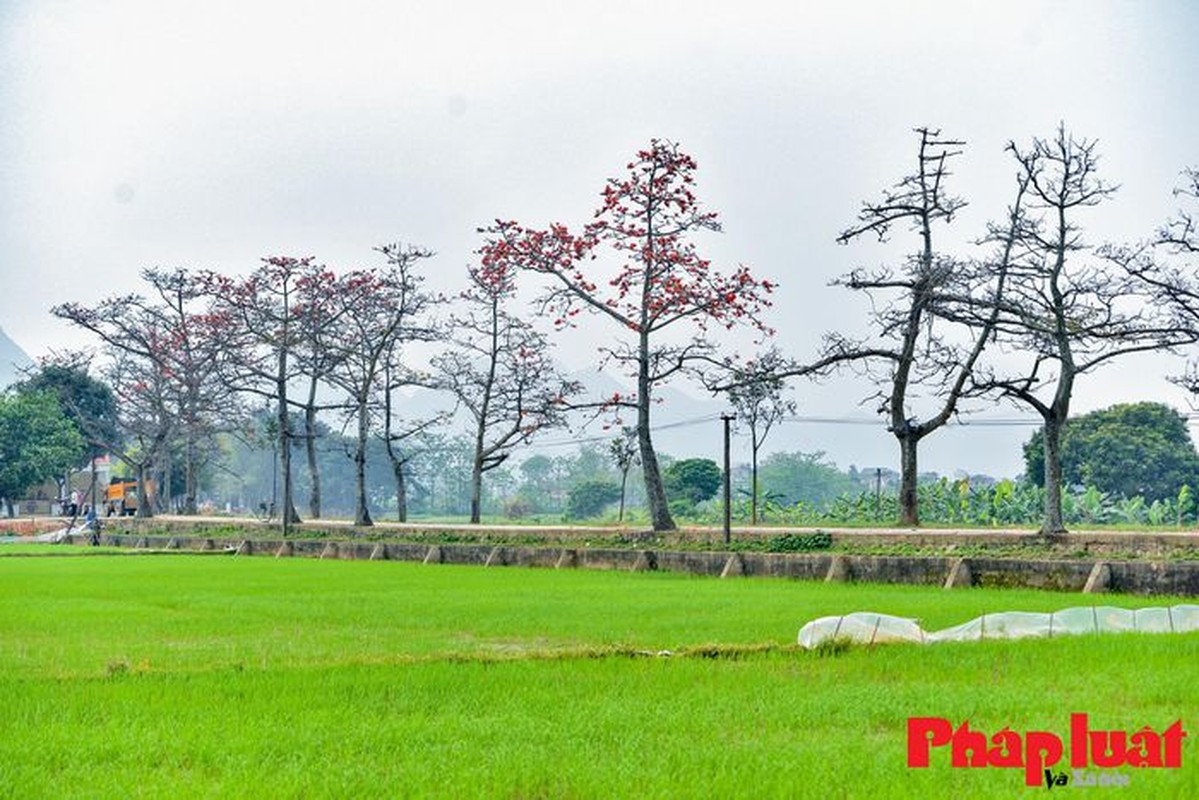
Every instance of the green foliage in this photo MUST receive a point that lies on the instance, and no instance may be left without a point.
(1128, 450)
(800, 542)
(37, 441)
(808, 478)
(89, 404)
(590, 498)
(691, 479)
(961, 503)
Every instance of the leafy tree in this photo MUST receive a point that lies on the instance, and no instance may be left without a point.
(660, 287)
(89, 404)
(808, 478)
(1129, 450)
(37, 442)
(692, 479)
(85, 401)
(590, 498)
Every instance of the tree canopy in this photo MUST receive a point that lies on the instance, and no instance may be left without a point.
(37, 441)
(1129, 449)
(692, 479)
(803, 478)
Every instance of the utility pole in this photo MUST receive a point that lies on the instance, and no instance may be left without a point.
(728, 482)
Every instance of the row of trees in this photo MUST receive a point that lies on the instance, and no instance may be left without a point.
(1046, 305)
(190, 355)
(1022, 315)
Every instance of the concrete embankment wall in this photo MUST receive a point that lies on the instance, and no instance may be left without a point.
(1137, 577)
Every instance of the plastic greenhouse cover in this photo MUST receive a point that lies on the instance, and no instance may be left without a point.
(864, 627)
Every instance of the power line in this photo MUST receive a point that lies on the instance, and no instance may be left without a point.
(874, 422)
(686, 423)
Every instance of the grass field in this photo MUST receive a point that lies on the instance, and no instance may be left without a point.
(181, 676)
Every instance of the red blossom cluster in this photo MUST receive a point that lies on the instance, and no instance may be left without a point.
(645, 218)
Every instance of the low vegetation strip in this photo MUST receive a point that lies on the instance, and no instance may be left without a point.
(811, 556)
(231, 677)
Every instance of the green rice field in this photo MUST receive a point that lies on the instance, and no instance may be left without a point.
(219, 676)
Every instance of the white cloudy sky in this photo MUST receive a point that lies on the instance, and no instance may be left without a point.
(147, 132)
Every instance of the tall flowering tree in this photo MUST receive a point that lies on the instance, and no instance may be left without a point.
(265, 311)
(380, 310)
(176, 336)
(318, 319)
(659, 293)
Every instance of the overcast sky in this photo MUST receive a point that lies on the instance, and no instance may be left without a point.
(141, 133)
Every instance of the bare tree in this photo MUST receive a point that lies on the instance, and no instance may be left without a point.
(1068, 310)
(405, 442)
(909, 355)
(1169, 266)
(759, 406)
(500, 371)
(661, 287)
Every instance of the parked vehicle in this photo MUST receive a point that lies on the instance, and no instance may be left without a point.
(121, 498)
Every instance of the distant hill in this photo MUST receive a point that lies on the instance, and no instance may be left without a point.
(12, 359)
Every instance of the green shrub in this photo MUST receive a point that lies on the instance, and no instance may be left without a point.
(590, 498)
(800, 542)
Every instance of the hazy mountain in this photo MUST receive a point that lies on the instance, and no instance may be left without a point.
(12, 359)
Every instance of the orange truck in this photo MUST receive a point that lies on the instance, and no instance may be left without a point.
(121, 497)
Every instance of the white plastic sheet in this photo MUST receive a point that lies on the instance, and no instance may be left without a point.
(864, 627)
(53, 537)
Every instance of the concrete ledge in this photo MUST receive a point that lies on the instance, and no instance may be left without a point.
(1099, 580)
(1133, 577)
(960, 575)
(734, 566)
(838, 570)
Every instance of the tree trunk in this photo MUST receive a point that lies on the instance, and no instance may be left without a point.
(362, 515)
(401, 491)
(143, 493)
(655, 494)
(189, 474)
(288, 512)
(314, 473)
(624, 480)
(163, 498)
(476, 490)
(1053, 523)
(91, 489)
(909, 495)
(753, 481)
